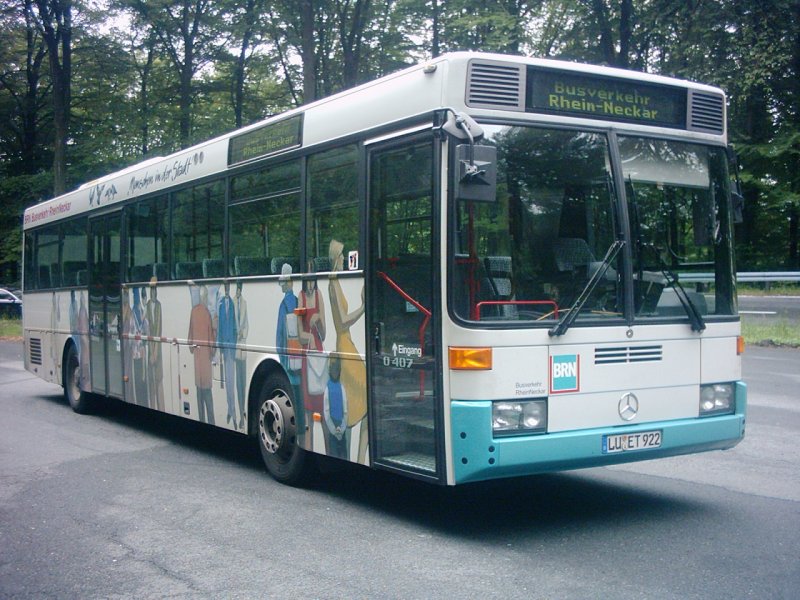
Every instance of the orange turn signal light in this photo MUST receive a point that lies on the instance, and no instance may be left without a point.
(470, 359)
(740, 345)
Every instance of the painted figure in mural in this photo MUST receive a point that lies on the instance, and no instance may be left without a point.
(73, 323)
(201, 337)
(311, 331)
(226, 341)
(128, 331)
(139, 352)
(83, 344)
(335, 412)
(287, 342)
(241, 355)
(353, 371)
(155, 373)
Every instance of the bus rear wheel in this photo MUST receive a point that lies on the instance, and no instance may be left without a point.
(79, 400)
(277, 432)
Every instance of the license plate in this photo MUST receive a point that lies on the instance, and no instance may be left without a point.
(625, 442)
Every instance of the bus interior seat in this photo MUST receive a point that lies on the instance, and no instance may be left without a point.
(213, 268)
(498, 280)
(114, 270)
(669, 305)
(276, 264)
(70, 271)
(44, 276)
(82, 277)
(321, 264)
(140, 273)
(251, 265)
(161, 271)
(188, 270)
(55, 275)
(574, 253)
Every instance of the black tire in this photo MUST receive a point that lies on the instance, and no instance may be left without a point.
(81, 402)
(277, 433)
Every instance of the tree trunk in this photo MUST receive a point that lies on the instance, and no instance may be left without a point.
(55, 18)
(309, 56)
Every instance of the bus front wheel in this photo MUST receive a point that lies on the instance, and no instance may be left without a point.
(79, 400)
(277, 432)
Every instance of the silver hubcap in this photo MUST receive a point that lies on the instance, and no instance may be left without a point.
(276, 414)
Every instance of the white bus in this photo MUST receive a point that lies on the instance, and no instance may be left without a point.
(470, 269)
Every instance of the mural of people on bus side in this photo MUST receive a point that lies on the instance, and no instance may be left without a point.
(83, 344)
(311, 331)
(155, 371)
(138, 349)
(201, 337)
(73, 323)
(127, 341)
(287, 344)
(335, 412)
(226, 342)
(353, 375)
(241, 355)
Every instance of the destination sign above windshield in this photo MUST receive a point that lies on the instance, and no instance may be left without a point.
(597, 97)
(266, 140)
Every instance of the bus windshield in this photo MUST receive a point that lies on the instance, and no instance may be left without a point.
(678, 200)
(529, 254)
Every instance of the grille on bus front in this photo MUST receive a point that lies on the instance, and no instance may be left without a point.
(627, 354)
(706, 112)
(35, 351)
(496, 85)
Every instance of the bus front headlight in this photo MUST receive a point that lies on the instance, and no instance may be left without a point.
(716, 399)
(515, 418)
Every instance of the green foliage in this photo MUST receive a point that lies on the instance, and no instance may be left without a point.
(146, 81)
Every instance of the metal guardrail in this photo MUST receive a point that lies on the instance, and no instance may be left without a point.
(745, 277)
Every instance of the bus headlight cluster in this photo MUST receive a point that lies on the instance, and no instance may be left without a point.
(716, 399)
(514, 418)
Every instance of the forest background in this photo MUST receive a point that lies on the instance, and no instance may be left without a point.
(90, 86)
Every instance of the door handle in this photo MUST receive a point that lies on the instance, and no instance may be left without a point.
(377, 337)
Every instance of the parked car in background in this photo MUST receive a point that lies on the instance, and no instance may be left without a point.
(10, 304)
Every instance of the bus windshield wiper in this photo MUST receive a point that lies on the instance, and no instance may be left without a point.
(569, 317)
(695, 317)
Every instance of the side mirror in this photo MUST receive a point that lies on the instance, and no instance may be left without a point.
(475, 173)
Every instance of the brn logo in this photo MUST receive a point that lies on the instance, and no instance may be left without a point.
(565, 373)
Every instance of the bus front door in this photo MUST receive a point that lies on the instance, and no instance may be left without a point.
(402, 339)
(105, 304)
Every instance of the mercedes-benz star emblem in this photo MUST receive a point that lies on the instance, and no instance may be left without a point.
(628, 407)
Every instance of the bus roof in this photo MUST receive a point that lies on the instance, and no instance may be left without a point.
(395, 98)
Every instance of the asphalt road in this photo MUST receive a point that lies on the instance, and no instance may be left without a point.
(132, 504)
(770, 307)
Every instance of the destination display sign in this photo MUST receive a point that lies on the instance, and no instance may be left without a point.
(598, 97)
(266, 140)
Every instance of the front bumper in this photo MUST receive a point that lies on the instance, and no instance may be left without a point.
(477, 455)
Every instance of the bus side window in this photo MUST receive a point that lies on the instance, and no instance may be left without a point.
(264, 219)
(197, 229)
(148, 239)
(333, 213)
